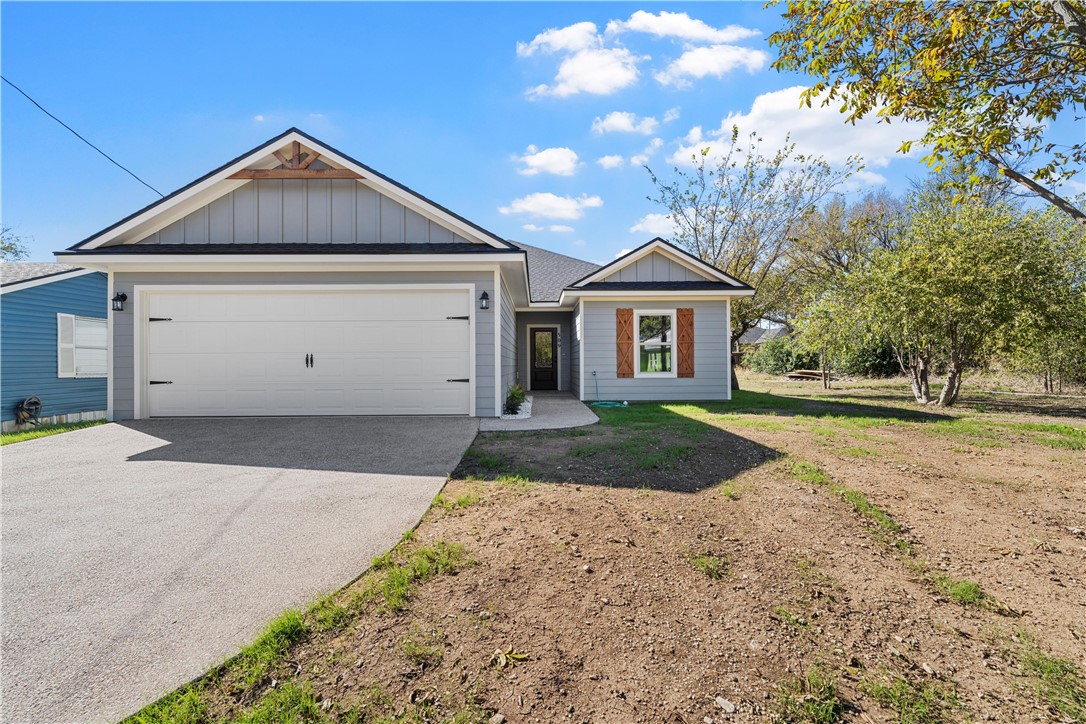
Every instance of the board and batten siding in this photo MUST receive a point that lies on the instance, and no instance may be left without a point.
(123, 348)
(28, 346)
(576, 332)
(561, 320)
(508, 341)
(655, 267)
(295, 211)
(712, 374)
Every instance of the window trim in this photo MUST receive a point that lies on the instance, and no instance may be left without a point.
(74, 374)
(638, 314)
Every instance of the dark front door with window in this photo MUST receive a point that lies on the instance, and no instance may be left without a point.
(544, 358)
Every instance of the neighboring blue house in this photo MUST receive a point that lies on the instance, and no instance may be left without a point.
(53, 341)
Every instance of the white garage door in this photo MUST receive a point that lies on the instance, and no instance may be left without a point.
(398, 352)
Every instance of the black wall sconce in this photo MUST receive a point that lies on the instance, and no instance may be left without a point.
(484, 301)
(118, 302)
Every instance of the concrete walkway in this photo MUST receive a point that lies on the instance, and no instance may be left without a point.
(550, 411)
(136, 556)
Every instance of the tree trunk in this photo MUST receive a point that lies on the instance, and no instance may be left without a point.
(918, 378)
(826, 385)
(734, 343)
(953, 384)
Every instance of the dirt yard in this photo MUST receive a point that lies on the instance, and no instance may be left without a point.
(791, 556)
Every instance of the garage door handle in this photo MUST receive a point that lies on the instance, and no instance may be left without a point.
(160, 382)
(459, 380)
(464, 317)
(307, 361)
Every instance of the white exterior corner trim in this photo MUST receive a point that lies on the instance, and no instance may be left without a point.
(140, 331)
(40, 281)
(666, 250)
(580, 347)
(499, 401)
(220, 184)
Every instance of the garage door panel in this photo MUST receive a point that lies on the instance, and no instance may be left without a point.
(244, 353)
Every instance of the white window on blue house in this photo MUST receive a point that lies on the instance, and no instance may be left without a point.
(81, 346)
(655, 343)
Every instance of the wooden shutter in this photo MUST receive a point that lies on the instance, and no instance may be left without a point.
(65, 345)
(685, 341)
(624, 323)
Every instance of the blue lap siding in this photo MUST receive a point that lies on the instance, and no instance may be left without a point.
(28, 346)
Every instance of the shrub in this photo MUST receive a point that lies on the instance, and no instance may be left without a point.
(780, 356)
(514, 399)
(867, 360)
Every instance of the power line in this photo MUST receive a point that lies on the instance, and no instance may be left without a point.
(111, 160)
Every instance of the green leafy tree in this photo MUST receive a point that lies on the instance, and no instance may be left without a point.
(986, 79)
(945, 296)
(11, 245)
(742, 213)
(1048, 338)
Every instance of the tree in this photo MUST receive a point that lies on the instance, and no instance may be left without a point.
(741, 214)
(1048, 338)
(944, 297)
(11, 245)
(986, 79)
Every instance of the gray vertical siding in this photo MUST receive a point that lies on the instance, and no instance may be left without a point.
(28, 346)
(711, 376)
(509, 340)
(576, 333)
(655, 267)
(123, 352)
(314, 211)
(558, 319)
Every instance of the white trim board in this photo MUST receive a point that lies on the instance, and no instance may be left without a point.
(139, 326)
(40, 281)
(147, 222)
(661, 247)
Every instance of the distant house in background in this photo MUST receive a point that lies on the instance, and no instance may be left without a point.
(760, 335)
(53, 341)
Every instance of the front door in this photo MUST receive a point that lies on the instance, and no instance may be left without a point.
(544, 358)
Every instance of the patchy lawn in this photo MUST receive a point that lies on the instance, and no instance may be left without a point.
(807, 556)
(9, 438)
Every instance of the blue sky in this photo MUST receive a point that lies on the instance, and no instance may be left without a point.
(535, 135)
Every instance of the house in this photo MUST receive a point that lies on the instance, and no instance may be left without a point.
(295, 280)
(52, 341)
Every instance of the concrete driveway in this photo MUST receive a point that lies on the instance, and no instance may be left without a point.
(135, 556)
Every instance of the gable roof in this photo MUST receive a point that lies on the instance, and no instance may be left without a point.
(659, 245)
(201, 192)
(20, 275)
(549, 272)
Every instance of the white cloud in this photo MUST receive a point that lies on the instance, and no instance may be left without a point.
(679, 26)
(714, 60)
(558, 161)
(817, 130)
(671, 114)
(642, 158)
(532, 227)
(623, 252)
(561, 229)
(551, 206)
(624, 122)
(599, 71)
(259, 118)
(612, 161)
(571, 38)
(654, 225)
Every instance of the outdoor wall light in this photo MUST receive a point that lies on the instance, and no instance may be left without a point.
(118, 302)
(484, 301)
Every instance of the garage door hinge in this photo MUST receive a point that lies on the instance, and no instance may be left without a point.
(464, 317)
(160, 319)
(160, 382)
(459, 380)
